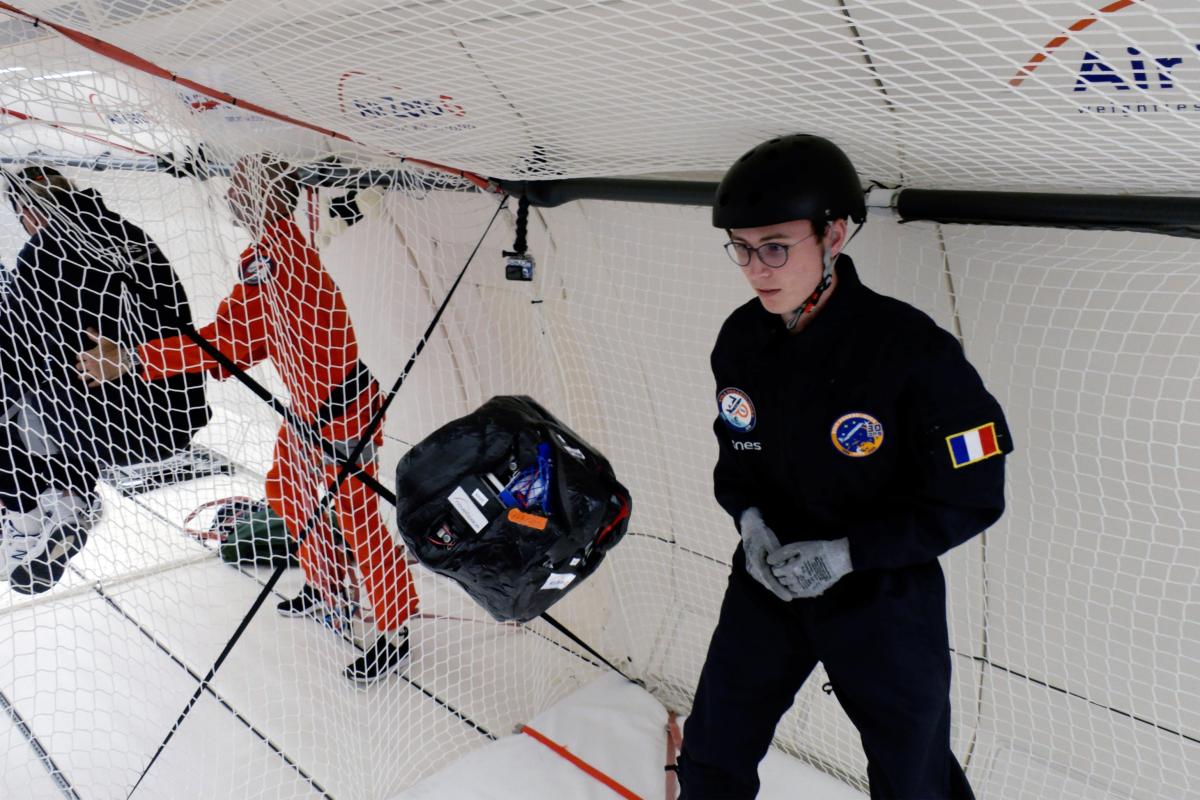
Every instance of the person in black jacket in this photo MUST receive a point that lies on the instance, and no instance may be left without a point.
(84, 273)
(857, 445)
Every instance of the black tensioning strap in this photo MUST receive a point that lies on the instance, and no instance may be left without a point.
(56, 774)
(558, 626)
(310, 432)
(344, 471)
(357, 380)
(98, 588)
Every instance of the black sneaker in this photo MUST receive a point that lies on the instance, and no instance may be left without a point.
(305, 604)
(380, 659)
(40, 573)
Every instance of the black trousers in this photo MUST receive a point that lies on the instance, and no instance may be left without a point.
(81, 452)
(883, 640)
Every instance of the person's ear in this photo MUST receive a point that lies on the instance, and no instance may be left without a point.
(835, 236)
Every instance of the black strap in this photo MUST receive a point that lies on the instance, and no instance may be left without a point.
(239, 374)
(558, 626)
(358, 380)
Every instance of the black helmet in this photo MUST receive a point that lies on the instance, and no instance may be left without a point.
(790, 177)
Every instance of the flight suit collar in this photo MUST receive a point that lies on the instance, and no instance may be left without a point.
(838, 310)
(832, 318)
(278, 230)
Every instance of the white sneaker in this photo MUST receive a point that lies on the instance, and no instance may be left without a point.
(22, 537)
(38, 558)
(63, 509)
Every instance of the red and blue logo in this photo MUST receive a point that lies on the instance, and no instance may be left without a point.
(256, 268)
(736, 409)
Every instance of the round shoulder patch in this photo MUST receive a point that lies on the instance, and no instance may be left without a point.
(256, 268)
(857, 434)
(736, 409)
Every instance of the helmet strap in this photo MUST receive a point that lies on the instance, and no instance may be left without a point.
(822, 285)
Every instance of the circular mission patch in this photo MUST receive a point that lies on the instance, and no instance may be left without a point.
(857, 434)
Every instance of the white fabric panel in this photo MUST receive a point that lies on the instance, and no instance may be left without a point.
(616, 728)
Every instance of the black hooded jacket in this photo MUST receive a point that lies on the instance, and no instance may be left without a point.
(90, 268)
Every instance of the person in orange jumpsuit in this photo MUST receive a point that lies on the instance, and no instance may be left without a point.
(286, 308)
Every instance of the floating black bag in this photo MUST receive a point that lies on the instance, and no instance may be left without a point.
(511, 504)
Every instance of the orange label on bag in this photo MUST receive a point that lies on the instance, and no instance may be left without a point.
(528, 520)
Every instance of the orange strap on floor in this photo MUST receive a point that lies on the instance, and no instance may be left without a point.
(674, 742)
(580, 763)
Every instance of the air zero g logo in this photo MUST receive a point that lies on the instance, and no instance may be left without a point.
(1114, 75)
(370, 99)
(857, 434)
(736, 409)
(122, 119)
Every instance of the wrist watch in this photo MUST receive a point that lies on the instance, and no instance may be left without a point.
(130, 361)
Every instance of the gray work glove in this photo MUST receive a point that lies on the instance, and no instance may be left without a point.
(808, 569)
(759, 542)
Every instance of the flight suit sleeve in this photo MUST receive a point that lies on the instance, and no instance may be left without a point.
(239, 332)
(13, 346)
(8, 346)
(13, 334)
(956, 439)
(730, 485)
(99, 290)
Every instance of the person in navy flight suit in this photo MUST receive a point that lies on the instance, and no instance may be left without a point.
(857, 444)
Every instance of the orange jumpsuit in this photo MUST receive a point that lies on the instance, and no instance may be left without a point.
(286, 308)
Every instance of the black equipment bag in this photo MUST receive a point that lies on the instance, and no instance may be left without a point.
(511, 504)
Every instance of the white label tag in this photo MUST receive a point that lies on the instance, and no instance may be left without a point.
(559, 580)
(467, 510)
(480, 497)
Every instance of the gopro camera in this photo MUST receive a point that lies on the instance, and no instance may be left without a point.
(518, 266)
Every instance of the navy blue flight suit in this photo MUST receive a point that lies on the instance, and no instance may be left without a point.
(845, 429)
(71, 275)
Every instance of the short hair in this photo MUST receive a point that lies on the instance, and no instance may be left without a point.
(43, 188)
(277, 176)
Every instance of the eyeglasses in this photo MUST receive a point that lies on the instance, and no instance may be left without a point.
(771, 254)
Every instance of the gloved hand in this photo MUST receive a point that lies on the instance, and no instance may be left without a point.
(808, 569)
(759, 542)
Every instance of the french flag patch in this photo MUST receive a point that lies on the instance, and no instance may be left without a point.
(974, 445)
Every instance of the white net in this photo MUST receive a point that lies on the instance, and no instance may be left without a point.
(1073, 620)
